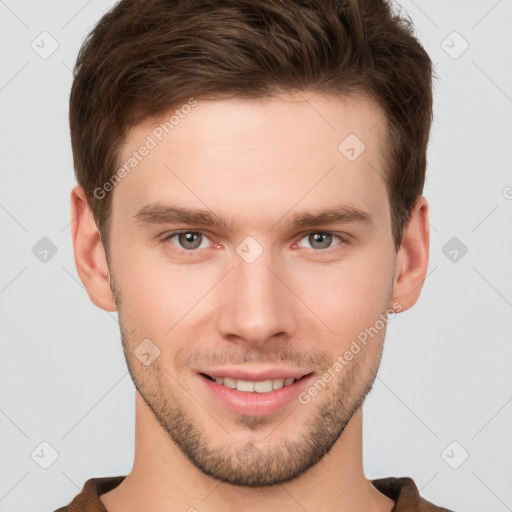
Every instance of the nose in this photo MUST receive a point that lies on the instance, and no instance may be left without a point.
(256, 304)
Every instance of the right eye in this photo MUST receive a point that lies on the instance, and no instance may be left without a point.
(188, 241)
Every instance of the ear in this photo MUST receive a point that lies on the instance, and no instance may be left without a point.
(90, 259)
(412, 258)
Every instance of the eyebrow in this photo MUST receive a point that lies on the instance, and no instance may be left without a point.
(165, 213)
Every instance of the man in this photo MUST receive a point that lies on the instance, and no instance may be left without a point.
(249, 200)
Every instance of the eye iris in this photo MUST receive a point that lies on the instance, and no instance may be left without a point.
(187, 238)
(322, 238)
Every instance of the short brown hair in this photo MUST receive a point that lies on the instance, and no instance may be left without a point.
(146, 56)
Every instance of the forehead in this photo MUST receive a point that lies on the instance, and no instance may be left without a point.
(264, 155)
(236, 120)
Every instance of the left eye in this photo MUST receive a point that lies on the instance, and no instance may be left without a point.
(320, 240)
(191, 240)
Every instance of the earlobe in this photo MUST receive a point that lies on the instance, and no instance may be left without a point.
(89, 253)
(412, 257)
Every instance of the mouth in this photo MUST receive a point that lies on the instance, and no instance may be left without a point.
(253, 386)
(255, 397)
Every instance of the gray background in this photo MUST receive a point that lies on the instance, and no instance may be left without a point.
(444, 390)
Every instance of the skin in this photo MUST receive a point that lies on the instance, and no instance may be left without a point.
(300, 303)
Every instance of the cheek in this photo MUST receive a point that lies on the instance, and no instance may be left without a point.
(155, 293)
(347, 296)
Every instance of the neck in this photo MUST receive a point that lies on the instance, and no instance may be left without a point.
(163, 478)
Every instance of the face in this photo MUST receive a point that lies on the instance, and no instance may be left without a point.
(255, 289)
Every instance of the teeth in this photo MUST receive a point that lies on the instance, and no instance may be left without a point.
(245, 385)
(277, 384)
(229, 382)
(263, 386)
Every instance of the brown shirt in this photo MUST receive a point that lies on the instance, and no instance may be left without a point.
(402, 490)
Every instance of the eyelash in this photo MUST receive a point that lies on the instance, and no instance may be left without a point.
(343, 241)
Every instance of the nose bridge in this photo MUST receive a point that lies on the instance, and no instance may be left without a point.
(256, 304)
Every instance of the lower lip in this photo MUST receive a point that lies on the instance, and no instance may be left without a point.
(255, 404)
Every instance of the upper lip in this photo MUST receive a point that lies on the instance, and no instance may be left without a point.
(269, 374)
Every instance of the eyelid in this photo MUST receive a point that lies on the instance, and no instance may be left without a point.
(341, 236)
